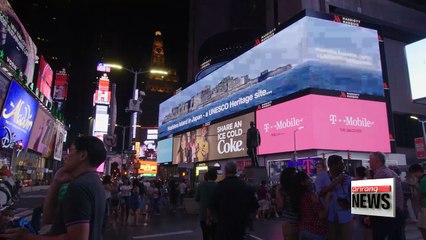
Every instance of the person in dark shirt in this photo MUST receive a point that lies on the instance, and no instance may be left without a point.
(80, 214)
(232, 201)
(253, 141)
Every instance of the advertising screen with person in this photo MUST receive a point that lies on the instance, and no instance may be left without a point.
(42, 133)
(226, 139)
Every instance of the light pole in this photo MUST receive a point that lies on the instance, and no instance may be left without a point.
(294, 144)
(123, 133)
(134, 112)
(423, 127)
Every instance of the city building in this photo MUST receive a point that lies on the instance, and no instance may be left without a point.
(244, 24)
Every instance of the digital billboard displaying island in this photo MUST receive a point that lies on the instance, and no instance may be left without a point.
(310, 53)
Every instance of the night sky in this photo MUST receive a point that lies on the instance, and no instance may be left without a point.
(81, 33)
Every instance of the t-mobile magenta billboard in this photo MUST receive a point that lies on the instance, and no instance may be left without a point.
(309, 53)
(328, 123)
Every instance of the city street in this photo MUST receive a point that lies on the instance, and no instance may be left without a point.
(179, 226)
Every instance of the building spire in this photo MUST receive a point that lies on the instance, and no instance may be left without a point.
(157, 59)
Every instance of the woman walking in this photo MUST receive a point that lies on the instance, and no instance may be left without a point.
(135, 201)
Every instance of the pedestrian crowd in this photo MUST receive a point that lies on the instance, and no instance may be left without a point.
(320, 208)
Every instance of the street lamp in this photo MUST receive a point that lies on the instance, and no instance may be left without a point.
(294, 144)
(133, 112)
(423, 126)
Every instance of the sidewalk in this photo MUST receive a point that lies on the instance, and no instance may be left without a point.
(34, 188)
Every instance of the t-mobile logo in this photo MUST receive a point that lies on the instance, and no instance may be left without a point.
(266, 127)
(333, 119)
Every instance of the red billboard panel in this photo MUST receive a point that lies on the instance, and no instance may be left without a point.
(420, 148)
(322, 122)
(61, 86)
(45, 78)
(102, 97)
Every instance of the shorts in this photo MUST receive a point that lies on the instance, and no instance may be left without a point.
(421, 222)
(264, 204)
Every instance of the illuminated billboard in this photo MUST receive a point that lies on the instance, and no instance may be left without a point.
(310, 53)
(223, 140)
(328, 123)
(45, 78)
(18, 47)
(416, 62)
(42, 133)
(17, 116)
(101, 119)
(61, 85)
(165, 151)
(59, 141)
(148, 168)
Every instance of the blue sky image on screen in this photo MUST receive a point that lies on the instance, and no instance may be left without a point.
(165, 151)
(416, 61)
(310, 53)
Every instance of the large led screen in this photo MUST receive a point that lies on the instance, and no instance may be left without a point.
(328, 123)
(42, 133)
(19, 49)
(165, 151)
(17, 117)
(416, 61)
(223, 140)
(310, 53)
(45, 78)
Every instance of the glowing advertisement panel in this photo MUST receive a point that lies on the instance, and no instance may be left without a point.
(42, 133)
(165, 151)
(59, 142)
(45, 78)
(310, 53)
(101, 119)
(416, 61)
(328, 123)
(19, 49)
(17, 116)
(222, 140)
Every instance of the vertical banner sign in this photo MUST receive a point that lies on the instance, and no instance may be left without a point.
(61, 85)
(420, 148)
(45, 77)
(17, 116)
(59, 142)
(373, 197)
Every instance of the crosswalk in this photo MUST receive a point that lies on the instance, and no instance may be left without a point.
(411, 231)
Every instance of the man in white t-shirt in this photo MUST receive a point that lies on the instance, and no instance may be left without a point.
(182, 191)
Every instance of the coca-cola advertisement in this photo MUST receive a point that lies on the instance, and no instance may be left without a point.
(222, 140)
